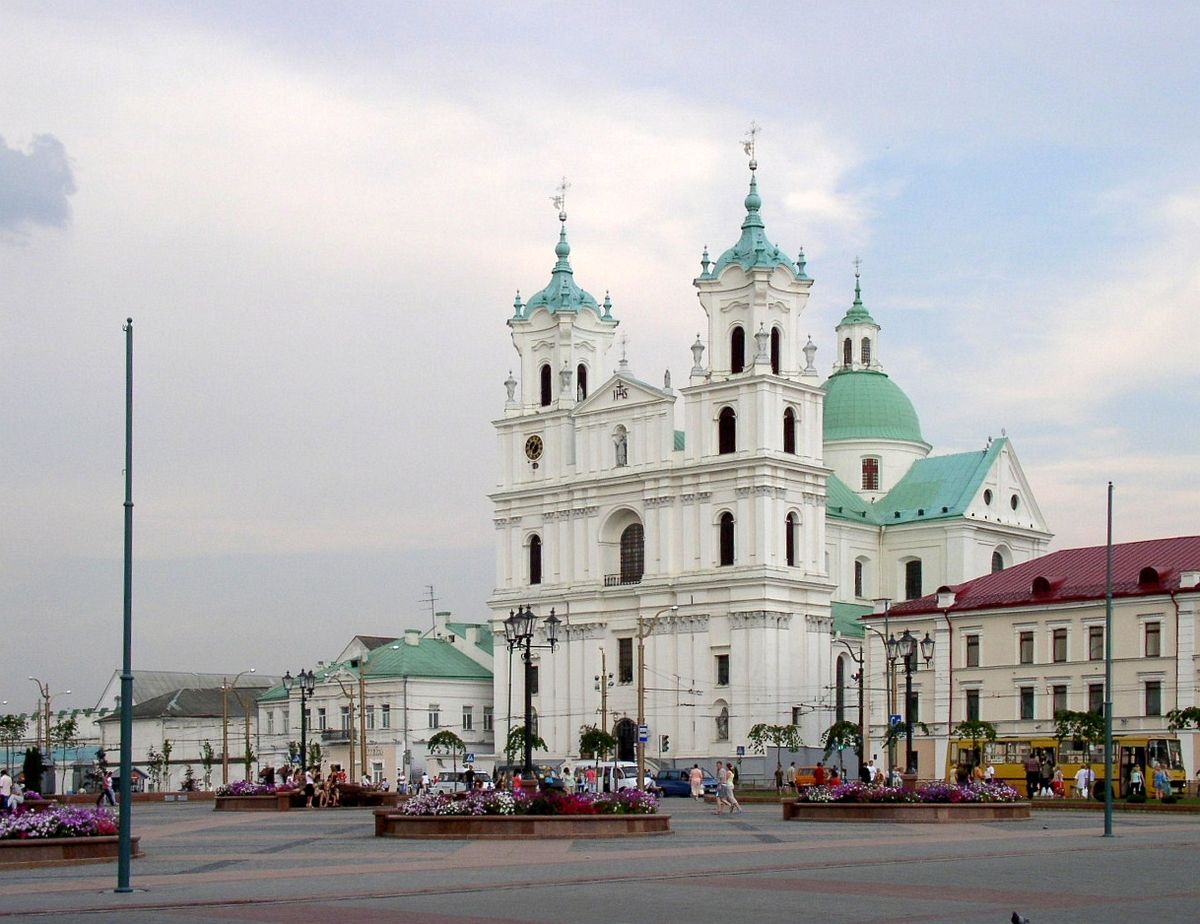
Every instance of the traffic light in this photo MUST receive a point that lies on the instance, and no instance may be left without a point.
(664, 743)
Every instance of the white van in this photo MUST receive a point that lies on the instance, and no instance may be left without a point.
(611, 775)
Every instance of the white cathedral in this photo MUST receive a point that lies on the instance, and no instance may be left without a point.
(743, 522)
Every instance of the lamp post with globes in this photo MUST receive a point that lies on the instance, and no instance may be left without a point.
(47, 696)
(906, 647)
(519, 630)
(307, 682)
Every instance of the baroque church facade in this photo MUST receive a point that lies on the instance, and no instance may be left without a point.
(739, 525)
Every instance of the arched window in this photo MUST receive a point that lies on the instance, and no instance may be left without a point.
(866, 351)
(723, 724)
(1148, 576)
(621, 445)
(545, 383)
(789, 540)
(726, 538)
(847, 353)
(839, 690)
(789, 431)
(775, 347)
(580, 382)
(870, 474)
(997, 561)
(535, 559)
(859, 574)
(737, 349)
(726, 431)
(633, 553)
(912, 579)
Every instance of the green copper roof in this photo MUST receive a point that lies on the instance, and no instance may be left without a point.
(753, 247)
(866, 404)
(857, 313)
(485, 638)
(843, 504)
(562, 293)
(846, 619)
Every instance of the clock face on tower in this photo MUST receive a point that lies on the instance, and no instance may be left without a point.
(533, 448)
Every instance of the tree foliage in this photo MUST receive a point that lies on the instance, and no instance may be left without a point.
(12, 728)
(975, 731)
(1085, 727)
(899, 732)
(446, 742)
(595, 742)
(1182, 719)
(841, 735)
(33, 768)
(516, 742)
(762, 736)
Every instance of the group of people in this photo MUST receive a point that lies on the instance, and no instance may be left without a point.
(12, 792)
(1161, 780)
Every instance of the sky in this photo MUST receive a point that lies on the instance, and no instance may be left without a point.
(318, 218)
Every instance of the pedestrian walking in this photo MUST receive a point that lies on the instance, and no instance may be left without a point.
(722, 782)
(730, 779)
(779, 779)
(106, 790)
(1137, 782)
(1033, 774)
(696, 779)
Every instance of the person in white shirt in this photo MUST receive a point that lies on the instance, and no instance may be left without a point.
(5, 791)
(1083, 781)
(990, 773)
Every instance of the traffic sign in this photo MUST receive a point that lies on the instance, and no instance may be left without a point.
(894, 718)
(741, 750)
(643, 734)
(470, 758)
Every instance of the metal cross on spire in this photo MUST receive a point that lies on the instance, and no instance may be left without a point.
(560, 200)
(857, 266)
(749, 145)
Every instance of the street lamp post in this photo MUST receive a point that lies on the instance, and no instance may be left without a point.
(858, 676)
(519, 629)
(47, 696)
(906, 647)
(307, 682)
(349, 694)
(226, 686)
(882, 606)
(604, 683)
(645, 627)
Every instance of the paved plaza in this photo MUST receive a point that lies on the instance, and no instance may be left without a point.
(327, 866)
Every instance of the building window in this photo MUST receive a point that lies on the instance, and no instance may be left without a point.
(1025, 646)
(870, 474)
(270, 721)
(737, 350)
(580, 382)
(789, 540)
(859, 574)
(533, 680)
(972, 705)
(1153, 697)
(621, 446)
(1059, 693)
(1096, 698)
(1026, 702)
(487, 718)
(435, 715)
(535, 559)
(544, 376)
(1095, 643)
(370, 718)
(997, 562)
(321, 721)
(839, 691)
(284, 719)
(1059, 644)
(726, 538)
(775, 346)
(789, 431)
(847, 353)
(914, 706)
(633, 553)
(912, 579)
(726, 431)
(376, 772)
(972, 651)
(866, 351)
(1153, 640)
(624, 660)
(722, 670)
(468, 718)
(345, 718)
(796, 713)
(385, 716)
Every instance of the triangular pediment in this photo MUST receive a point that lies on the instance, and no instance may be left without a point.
(620, 392)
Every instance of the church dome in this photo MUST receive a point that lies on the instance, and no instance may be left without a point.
(864, 404)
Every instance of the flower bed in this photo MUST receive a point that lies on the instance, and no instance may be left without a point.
(930, 803)
(56, 834)
(503, 815)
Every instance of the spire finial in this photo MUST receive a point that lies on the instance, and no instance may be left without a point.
(560, 199)
(857, 285)
(749, 144)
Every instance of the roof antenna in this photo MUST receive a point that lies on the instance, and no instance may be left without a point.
(431, 600)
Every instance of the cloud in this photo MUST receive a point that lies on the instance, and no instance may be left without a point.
(34, 185)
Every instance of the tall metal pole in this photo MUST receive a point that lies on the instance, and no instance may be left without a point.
(303, 726)
(1108, 662)
(362, 719)
(641, 694)
(225, 731)
(908, 749)
(527, 768)
(125, 822)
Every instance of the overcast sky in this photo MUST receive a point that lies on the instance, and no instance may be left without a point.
(318, 221)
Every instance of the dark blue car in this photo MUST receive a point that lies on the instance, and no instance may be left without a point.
(677, 782)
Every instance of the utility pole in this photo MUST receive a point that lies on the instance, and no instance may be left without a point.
(432, 601)
(644, 628)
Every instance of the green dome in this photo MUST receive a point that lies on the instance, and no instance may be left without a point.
(862, 404)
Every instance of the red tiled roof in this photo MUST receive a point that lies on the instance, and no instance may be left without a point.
(1072, 575)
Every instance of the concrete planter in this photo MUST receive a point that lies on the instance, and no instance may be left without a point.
(60, 851)
(276, 802)
(906, 812)
(390, 823)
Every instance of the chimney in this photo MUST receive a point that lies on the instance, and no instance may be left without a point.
(1189, 578)
(412, 636)
(472, 636)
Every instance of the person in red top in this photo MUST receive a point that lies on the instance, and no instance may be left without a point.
(819, 774)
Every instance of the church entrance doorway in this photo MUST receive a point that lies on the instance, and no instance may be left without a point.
(626, 735)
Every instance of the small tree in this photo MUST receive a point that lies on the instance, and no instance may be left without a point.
(189, 778)
(1085, 727)
(899, 732)
(154, 761)
(976, 731)
(516, 742)
(12, 730)
(315, 754)
(248, 758)
(64, 734)
(167, 747)
(34, 767)
(1182, 719)
(596, 743)
(838, 737)
(762, 736)
(207, 759)
(295, 758)
(446, 742)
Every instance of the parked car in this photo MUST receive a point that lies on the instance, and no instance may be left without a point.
(677, 781)
(451, 781)
(614, 775)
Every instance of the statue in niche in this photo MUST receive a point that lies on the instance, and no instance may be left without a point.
(621, 441)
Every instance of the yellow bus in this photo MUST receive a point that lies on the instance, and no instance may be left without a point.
(1008, 755)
